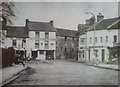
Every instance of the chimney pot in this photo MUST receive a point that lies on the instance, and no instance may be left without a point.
(99, 17)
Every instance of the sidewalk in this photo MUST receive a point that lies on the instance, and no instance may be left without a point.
(10, 73)
(100, 65)
(106, 66)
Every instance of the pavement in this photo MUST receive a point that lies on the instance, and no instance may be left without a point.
(106, 66)
(10, 73)
(100, 65)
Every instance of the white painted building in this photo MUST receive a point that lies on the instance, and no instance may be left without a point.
(16, 37)
(106, 36)
(36, 39)
(42, 40)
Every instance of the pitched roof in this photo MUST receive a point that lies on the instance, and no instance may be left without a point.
(105, 23)
(66, 32)
(40, 26)
(17, 31)
(116, 26)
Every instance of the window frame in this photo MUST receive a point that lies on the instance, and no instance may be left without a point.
(14, 41)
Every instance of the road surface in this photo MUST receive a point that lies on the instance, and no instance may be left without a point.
(61, 72)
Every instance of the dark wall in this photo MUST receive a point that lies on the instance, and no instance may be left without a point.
(7, 57)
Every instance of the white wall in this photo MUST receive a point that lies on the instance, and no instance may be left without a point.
(8, 42)
(52, 40)
(103, 44)
(103, 34)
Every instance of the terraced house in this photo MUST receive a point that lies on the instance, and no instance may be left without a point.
(36, 40)
(105, 40)
(42, 40)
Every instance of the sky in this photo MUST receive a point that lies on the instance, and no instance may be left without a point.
(64, 14)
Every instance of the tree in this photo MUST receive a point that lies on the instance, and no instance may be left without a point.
(6, 11)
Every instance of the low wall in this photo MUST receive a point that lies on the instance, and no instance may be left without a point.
(7, 57)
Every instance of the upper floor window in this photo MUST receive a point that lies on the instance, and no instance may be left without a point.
(65, 38)
(23, 42)
(52, 43)
(101, 39)
(36, 45)
(46, 44)
(106, 38)
(115, 38)
(37, 35)
(90, 39)
(95, 39)
(14, 43)
(46, 35)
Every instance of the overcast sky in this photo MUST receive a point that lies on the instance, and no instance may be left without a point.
(64, 14)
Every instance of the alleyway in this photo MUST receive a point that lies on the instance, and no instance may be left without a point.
(60, 72)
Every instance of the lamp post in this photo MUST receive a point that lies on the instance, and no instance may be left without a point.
(94, 35)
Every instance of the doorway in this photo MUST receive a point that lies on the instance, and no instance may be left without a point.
(49, 55)
(103, 55)
(34, 54)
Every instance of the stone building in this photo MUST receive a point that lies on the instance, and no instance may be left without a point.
(66, 43)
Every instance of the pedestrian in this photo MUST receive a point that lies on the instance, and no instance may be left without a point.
(22, 60)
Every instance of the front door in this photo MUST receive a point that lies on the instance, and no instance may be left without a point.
(103, 55)
(49, 55)
(34, 54)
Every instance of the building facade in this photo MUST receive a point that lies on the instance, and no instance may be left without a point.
(16, 37)
(106, 36)
(36, 39)
(66, 46)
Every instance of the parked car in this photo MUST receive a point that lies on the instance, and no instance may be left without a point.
(17, 59)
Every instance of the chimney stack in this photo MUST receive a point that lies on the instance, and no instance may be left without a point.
(27, 22)
(51, 22)
(99, 17)
(91, 21)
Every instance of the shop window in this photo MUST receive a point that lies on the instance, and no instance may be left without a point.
(41, 52)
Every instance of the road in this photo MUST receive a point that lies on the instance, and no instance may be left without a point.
(61, 72)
